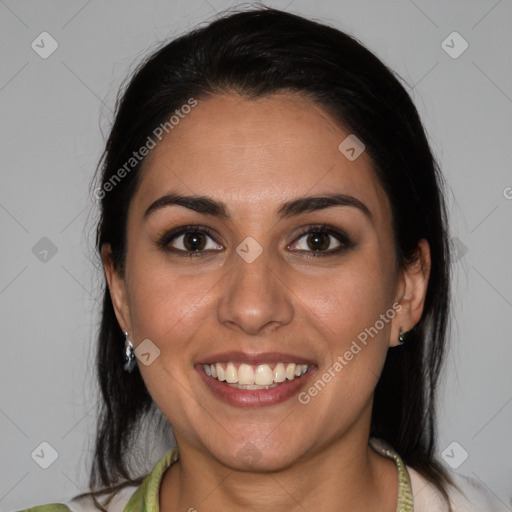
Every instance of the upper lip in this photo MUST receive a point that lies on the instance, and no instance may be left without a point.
(254, 358)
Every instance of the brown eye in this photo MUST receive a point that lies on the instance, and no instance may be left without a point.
(318, 241)
(189, 240)
(194, 241)
(322, 240)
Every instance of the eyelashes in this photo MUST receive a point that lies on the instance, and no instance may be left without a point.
(165, 241)
(200, 241)
(320, 234)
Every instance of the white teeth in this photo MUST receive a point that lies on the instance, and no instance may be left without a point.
(279, 373)
(231, 373)
(253, 386)
(263, 376)
(246, 377)
(220, 372)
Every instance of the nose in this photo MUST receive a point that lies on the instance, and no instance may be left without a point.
(255, 296)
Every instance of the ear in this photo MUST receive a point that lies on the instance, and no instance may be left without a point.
(411, 292)
(117, 288)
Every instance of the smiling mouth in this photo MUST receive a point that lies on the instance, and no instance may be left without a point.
(255, 376)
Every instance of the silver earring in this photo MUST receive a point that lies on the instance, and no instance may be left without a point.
(401, 337)
(129, 354)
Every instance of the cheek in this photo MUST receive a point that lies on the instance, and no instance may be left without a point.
(352, 310)
(163, 300)
(168, 310)
(173, 309)
(356, 344)
(348, 300)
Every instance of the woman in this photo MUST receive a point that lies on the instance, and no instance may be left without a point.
(274, 239)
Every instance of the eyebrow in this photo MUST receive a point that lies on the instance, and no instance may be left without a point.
(209, 206)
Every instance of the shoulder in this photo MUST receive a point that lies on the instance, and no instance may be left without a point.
(469, 495)
(86, 504)
(148, 490)
(116, 504)
(50, 507)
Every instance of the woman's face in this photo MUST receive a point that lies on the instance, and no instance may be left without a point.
(256, 286)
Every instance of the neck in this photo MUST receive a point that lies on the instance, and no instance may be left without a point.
(344, 475)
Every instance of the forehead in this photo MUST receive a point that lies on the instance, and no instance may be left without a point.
(250, 153)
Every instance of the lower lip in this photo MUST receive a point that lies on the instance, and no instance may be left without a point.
(255, 397)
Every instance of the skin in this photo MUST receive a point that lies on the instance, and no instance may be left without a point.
(309, 457)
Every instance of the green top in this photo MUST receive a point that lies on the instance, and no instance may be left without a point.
(146, 497)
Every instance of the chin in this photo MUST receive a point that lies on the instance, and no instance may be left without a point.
(249, 456)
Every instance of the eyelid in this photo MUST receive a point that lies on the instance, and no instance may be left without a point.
(165, 240)
(342, 237)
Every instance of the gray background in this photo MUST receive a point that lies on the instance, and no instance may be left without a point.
(53, 112)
